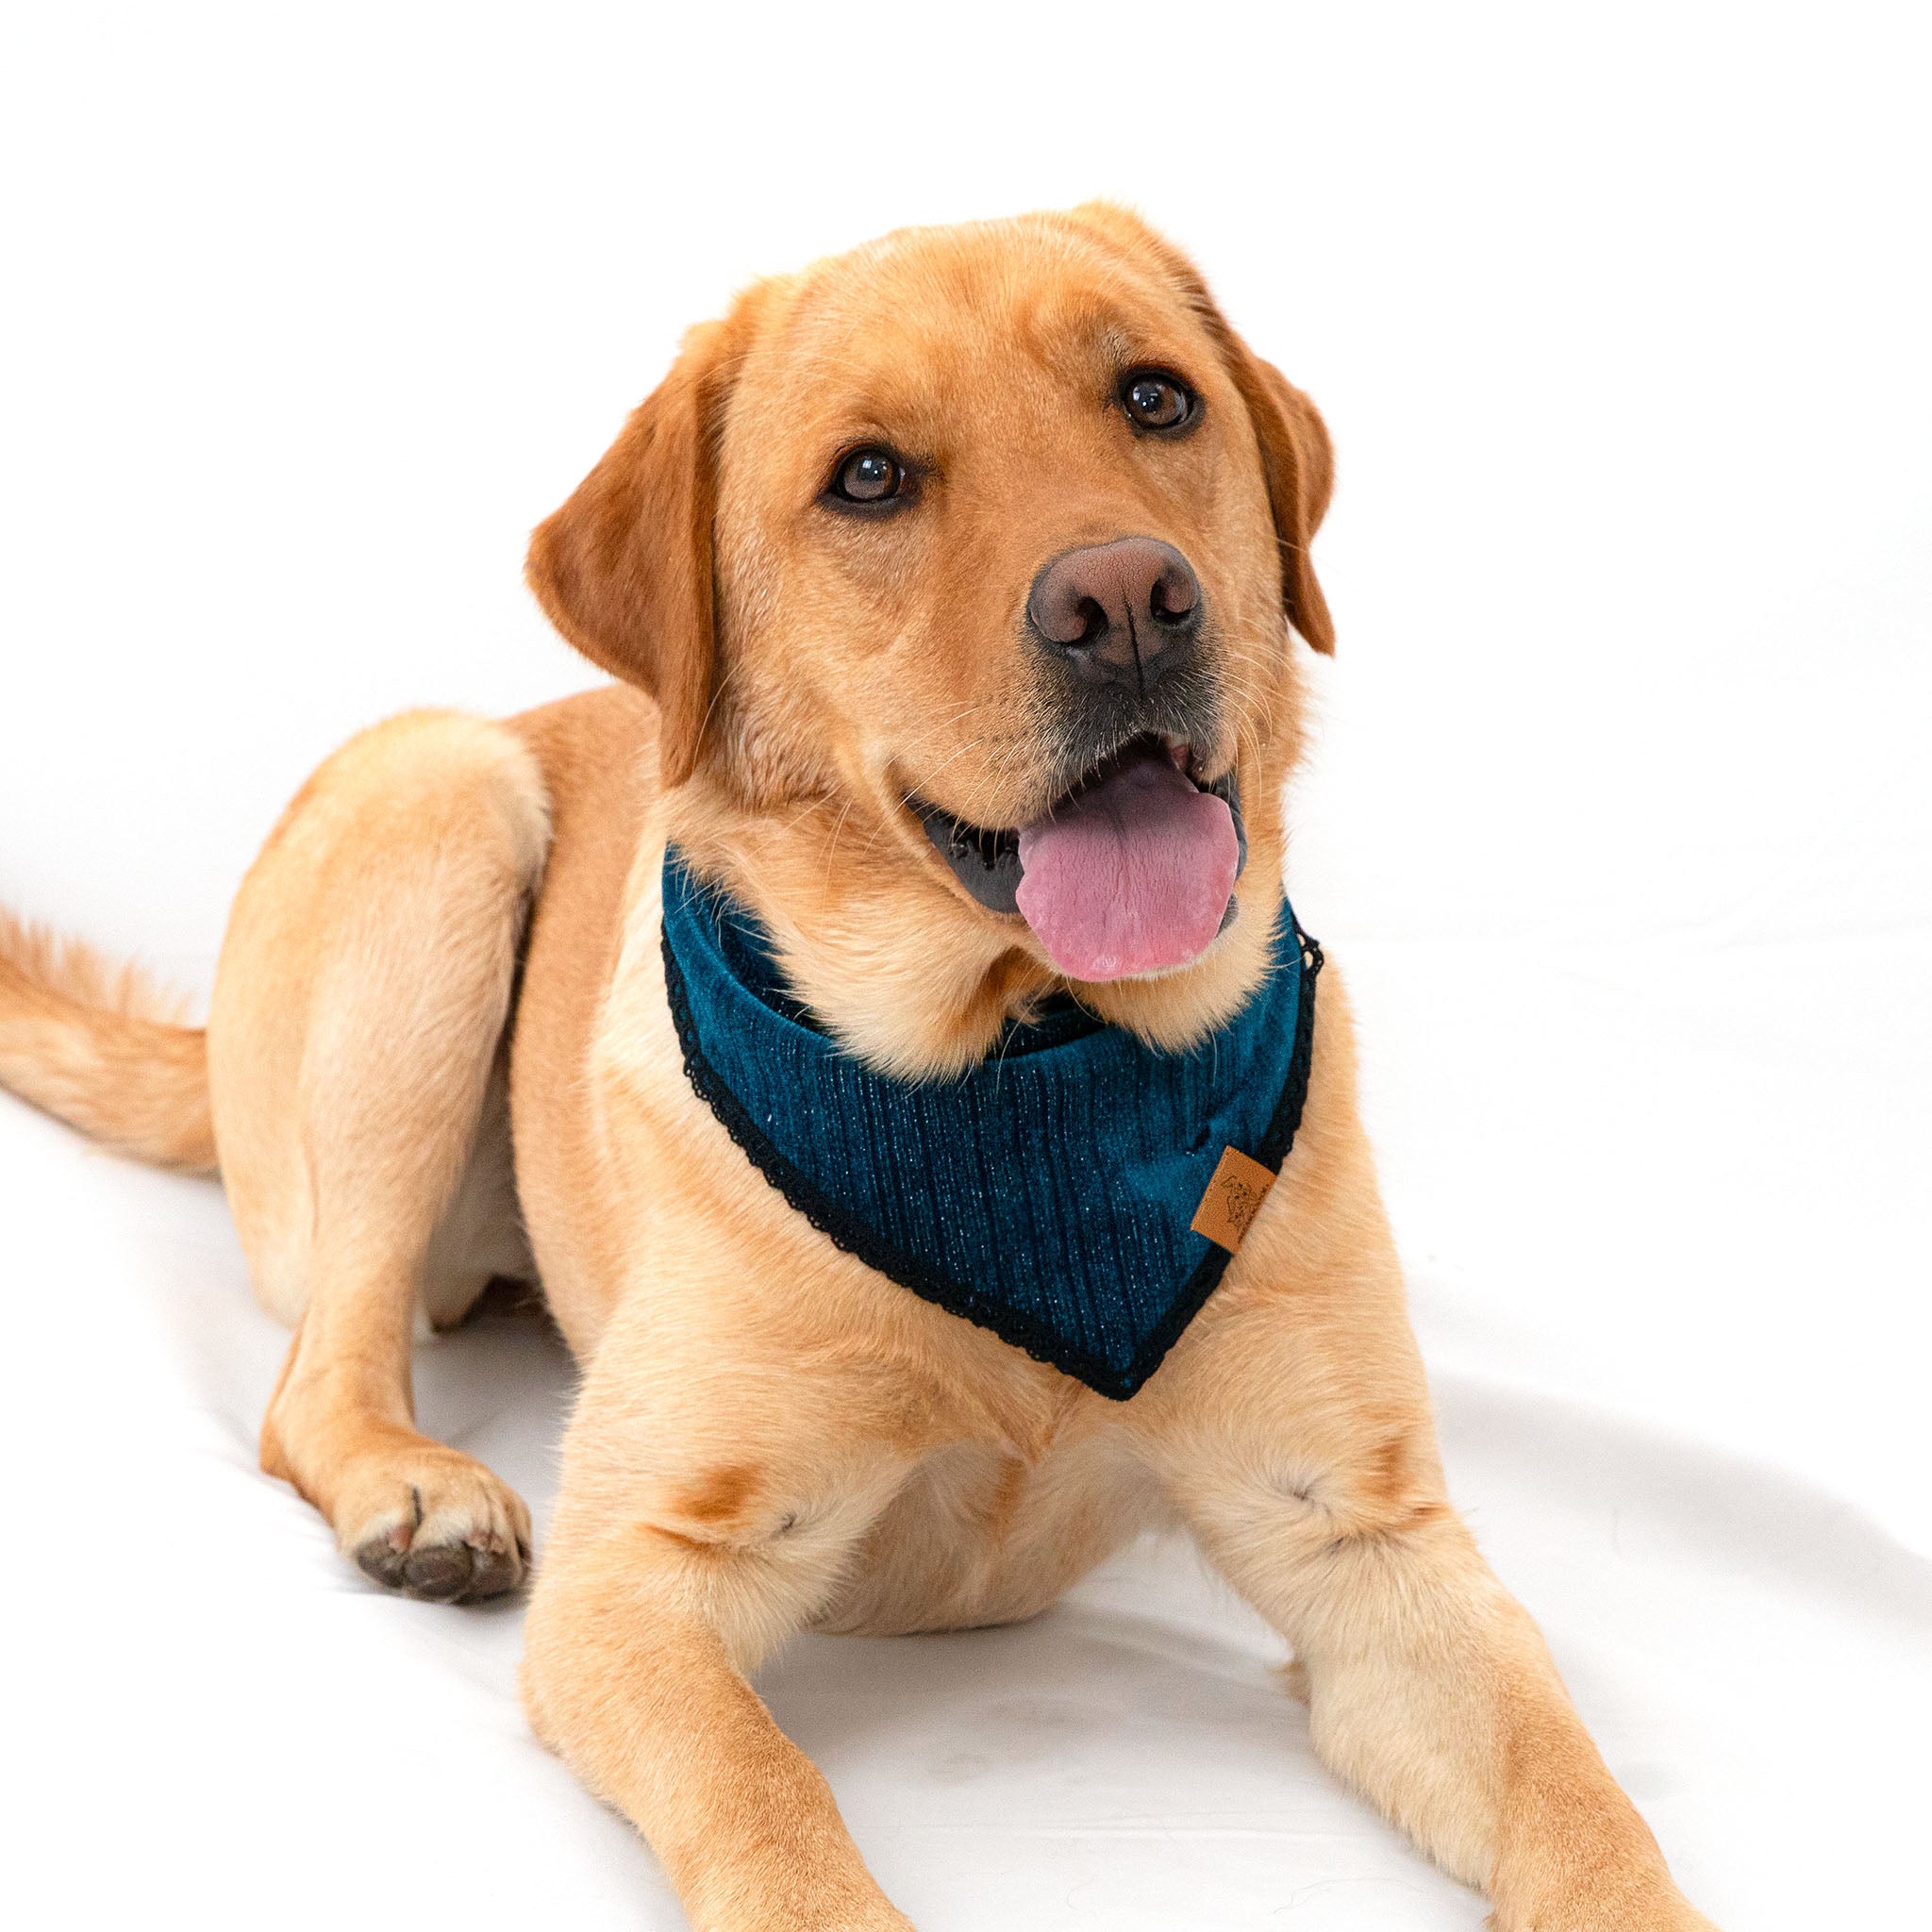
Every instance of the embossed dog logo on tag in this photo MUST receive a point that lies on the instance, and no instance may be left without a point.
(1233, 1198)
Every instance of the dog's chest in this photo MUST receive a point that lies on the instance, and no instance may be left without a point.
(1056, 1194)
(984, 1534)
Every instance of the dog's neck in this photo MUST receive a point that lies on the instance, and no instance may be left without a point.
(903, 969)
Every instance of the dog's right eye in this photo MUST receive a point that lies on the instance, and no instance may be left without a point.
(869, 475)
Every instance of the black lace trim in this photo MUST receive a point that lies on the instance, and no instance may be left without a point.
(1013, 1326)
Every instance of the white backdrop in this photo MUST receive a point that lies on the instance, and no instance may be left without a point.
(1619, 822)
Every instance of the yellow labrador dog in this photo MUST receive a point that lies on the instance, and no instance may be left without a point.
(954, 589)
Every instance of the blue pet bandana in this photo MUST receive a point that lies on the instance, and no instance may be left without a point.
(1078, 1191)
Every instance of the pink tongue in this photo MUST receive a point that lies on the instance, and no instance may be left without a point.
(1132, 876)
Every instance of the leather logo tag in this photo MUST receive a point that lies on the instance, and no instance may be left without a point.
(1238, 1188)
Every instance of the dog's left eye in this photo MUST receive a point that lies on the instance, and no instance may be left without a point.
(1156, 400)
(869, 475)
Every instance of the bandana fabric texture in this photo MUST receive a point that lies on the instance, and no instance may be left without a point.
(1046, 1193)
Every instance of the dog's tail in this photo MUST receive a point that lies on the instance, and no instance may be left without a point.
(101, 1049)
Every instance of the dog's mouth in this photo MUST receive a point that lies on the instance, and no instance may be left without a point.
(1130, 872)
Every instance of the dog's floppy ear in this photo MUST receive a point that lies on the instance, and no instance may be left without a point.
(1298, 461)
(1297, 458)
(623, 569)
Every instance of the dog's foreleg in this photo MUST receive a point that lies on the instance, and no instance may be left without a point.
(630, 1678)
(1431, 1692)
(715, 1499)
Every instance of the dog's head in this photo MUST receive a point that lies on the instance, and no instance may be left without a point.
(961, 569)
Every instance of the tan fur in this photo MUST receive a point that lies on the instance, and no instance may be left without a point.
(771, 1436)
(101, 1047)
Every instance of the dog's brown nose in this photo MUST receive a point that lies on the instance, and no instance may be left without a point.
(1120, 612)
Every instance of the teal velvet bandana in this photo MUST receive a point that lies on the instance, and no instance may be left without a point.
(1051, 1193)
